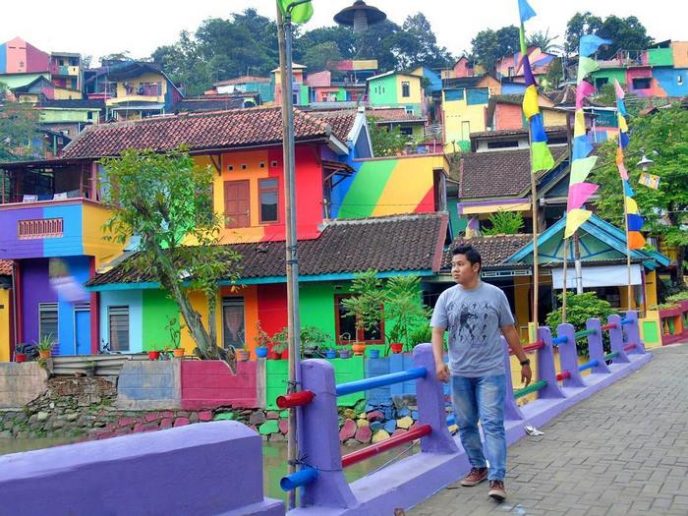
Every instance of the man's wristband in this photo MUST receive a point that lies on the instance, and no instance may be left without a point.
(525, 362)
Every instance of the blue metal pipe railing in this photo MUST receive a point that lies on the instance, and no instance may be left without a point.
(626, 321)
(589, 365)
(380, 381)
(561, 339)
(300, 478)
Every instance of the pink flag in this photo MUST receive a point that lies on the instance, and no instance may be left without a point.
(579, 193)
(584, 89)
(618, 89)
(622, 171)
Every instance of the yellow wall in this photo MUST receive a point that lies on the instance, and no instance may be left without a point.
(65, 94)
(94, 216)
(5, 298)
(492, 208)
(415, 89)
(680, 53)
(553, 118)
(457, 112)
(522, 304)
(650, 288)
(200, 304)
(122, 94)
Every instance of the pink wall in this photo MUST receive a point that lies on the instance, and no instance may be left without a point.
(210, 384)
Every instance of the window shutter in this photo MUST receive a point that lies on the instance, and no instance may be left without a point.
(237, 204)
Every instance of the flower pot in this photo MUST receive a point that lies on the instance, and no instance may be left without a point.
(285, 354)
(358, 348)
(261, 352)
(243, 355)
(345, 353)
(44, 353)
(330, 353)
(178, 352)
(153, 355)
(396, 347)
(20, 357)
(374, 353)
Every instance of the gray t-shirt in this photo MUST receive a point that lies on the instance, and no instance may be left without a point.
(473, 318)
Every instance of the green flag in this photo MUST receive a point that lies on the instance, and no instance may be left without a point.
(299, 14)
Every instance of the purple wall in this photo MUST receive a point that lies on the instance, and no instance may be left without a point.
(11, 248)
(35, 289)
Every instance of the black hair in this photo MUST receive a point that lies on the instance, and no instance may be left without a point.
(470, 252)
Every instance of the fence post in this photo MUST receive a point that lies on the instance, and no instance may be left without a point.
(545, 366)
(595, 347)
(568, 355)
(319, 439)
(632, 331)
(511, 409)
(616, 340)
(431, 405)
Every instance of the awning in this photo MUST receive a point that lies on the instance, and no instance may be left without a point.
(601, 276)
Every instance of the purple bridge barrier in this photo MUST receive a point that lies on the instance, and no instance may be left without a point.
(441, 460)
(209, 469)
(216, 468)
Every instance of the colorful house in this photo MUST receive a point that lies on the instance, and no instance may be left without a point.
(401, 234)
(5, 309)
(299, 88)
(132, 90)
(505, 112)
(66, 74)
(659, 71)
(511, 66)
(70, 117)
(21, 63)
(411, 126)
(262, 88)
(396, 89)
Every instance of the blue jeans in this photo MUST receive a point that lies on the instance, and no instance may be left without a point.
(482, 398)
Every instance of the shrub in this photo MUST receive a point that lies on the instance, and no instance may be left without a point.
(580, 308)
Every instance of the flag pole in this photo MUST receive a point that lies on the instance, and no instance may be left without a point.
(565, 278)
(536, 265)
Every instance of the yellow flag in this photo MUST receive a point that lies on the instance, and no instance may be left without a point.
(530, 102)
(574, 220)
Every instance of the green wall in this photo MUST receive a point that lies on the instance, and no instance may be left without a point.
(610, 74)
(67, 115)
(383, 91)
(157, 310)
(316, 306)
(660, 57)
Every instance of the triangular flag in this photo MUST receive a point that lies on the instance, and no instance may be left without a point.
(579, 193)
(635, 240)
(590, 43)
(620, 94)
(580, 168)
(579, 124)
(622, 171)
(530, 102)
(583, 90)
(631, 206)
(585, 67)
(574, 220)
(541, 158)
(635, 222)
(627, 189)
(525, 11)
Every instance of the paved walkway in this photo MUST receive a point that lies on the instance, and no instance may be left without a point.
(623, 451)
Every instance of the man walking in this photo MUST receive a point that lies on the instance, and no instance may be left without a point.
(475, 313)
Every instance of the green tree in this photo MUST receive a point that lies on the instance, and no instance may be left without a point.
(18, 125)
(505, 223)
(318, 56)
(416, 45)
(488, 46)
(625, 33)
(580, 308)
(544, 41)
(184, 64)
(386, 141)
(665, 209)
(166, 200)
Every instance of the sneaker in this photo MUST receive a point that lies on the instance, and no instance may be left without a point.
(476, 476)
(497, 491)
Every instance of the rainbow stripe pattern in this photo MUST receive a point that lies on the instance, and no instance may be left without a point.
(541, 157)
(634, 220)
(581, 161)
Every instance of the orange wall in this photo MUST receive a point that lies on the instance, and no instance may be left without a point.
(264, 163)
(508, 116)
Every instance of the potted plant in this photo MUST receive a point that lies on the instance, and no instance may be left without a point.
(344, 353)
(280, 343)
(312, 340)
(45, 346)
(153, 354)
(262, 339)
(175, 331)
(404, 306)
(243, 355)
(331, 353)
(366, 305)
(24, 352)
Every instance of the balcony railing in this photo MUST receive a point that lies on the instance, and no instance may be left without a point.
(40, 228)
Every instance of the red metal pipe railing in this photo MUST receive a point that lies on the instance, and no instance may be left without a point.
(629, 347)
(610, 326)
(376, 449)
(295, 399)
(564, 375)
(533, 346)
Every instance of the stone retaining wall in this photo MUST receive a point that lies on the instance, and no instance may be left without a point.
(20, 383)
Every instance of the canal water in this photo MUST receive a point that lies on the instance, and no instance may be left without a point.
(274, 460)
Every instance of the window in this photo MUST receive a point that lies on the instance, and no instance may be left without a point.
(237, 204)
(118, 322)
(405, 89)
(269, 195)
(601, 81)
(679, 80)
(406, 131)
(47, 320)
(346, 326)
(477, 96)
(642, 84)
(233, 329)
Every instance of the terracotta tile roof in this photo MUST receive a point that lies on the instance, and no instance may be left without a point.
(201, 131)
(383, 115)
(341, 121)
(558, 129)
(5, 268)
(386, 244)
(493, 249)
(498, 174)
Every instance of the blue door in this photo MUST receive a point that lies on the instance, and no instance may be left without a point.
(83, 331)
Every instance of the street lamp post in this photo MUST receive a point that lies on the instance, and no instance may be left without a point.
(361, 17)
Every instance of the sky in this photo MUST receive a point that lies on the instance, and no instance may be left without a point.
(97, 28)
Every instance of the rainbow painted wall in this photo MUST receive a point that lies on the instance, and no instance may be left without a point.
(389, 186)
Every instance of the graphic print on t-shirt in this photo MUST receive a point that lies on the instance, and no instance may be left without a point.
(470, 324)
